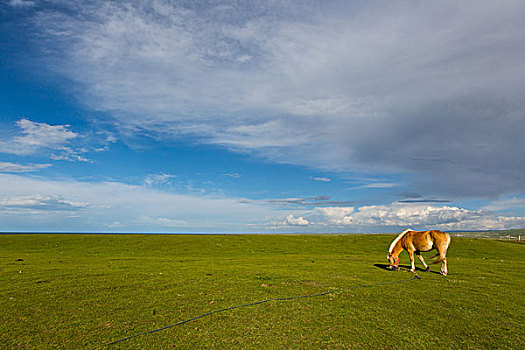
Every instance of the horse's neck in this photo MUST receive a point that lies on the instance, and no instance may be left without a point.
(397, 248)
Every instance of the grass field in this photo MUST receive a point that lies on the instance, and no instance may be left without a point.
(83, 291)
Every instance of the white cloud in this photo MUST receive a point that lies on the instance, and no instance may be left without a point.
(269, 134)
(57, 142)
(163, 222)
(39, 204)
(377, 185)
(300, 221)
(433, 90)
(289, 222)
(37, 137)
(8, 167)
(158, 179)
(69, 154)
(396, 216)
(42, 134)
(333, 215)
(233, 175)
(21, 3)
(33, 204)
(308, 201)
(322, 179)
(504, 204)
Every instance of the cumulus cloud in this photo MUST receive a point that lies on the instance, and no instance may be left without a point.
(293, 221)
(397, 216)
(433, 91)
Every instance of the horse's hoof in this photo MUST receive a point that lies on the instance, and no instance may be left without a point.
(427, 269)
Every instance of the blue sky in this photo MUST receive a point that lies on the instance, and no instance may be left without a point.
(239, 116)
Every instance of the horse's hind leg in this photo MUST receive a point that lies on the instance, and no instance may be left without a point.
(443, 259)
(443, 255)
(444, 271)
(427, 268)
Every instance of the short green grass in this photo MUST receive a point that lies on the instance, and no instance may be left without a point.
(83, 291)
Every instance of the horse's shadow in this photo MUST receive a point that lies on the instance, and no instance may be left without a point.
(408, 267)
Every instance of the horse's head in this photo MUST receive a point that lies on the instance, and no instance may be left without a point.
(393, 261)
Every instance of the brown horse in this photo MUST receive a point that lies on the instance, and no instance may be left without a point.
(415, 242)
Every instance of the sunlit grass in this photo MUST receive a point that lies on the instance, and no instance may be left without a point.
(84, 291)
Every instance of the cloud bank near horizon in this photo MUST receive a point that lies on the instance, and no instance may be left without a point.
(115, 207)
(398, 215)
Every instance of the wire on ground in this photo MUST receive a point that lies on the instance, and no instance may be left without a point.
(261, 302)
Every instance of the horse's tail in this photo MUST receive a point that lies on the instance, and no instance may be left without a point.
(438, 260)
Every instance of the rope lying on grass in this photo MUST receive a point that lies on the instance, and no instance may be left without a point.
(262, 302)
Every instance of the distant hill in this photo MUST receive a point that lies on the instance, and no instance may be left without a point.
(503, 234)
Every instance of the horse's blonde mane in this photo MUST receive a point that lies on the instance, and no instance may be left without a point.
(397, 239)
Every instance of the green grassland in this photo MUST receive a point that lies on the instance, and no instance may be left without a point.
(83, 291)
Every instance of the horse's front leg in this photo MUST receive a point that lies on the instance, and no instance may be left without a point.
(427, 268)
(411, 254)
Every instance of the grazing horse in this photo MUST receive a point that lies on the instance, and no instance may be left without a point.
(415, 242)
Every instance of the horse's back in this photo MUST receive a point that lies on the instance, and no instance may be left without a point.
(428, 240)
(421, 240)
